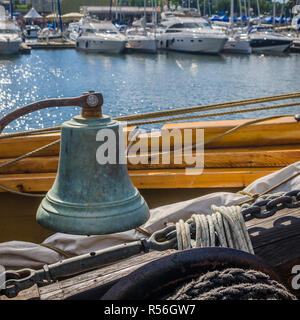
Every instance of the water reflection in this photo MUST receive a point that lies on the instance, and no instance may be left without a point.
(135, 83)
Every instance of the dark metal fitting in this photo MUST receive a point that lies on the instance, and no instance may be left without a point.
(145, 245)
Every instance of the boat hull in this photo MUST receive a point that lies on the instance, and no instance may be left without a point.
(192, 44)
(276, 46)
(100, 46)
(9, 47)
(238, 46)
(142, 45)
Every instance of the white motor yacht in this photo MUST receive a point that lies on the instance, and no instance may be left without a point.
(10, 35)
(238, 43)
(73, 31)
(31, 31)
(188, 34)
(97, 36)
(138, 39)
(48, 34)
(264, 39)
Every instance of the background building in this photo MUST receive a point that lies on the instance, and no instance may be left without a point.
(124, 13)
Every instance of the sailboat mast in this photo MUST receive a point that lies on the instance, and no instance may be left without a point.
(258, 8)
(110, 5)
(155, 14)
(59, 13)
(240, 5)
(249, 5)
(281, 14)
(11, 8)
(274, 12)
(245, 6)
(231, 12)
(116, 17)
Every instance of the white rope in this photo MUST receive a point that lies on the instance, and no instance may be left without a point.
(225, 224)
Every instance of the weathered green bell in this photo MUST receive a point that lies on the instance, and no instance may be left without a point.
(90, 196)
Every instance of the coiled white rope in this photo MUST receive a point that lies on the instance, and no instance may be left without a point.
(225, 225)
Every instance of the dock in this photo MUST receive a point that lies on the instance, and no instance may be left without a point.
(67, 44)
(295, 47)
(24, 48)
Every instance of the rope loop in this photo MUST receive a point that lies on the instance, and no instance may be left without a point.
(225, 227)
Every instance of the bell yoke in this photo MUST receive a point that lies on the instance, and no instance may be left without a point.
(87, 197)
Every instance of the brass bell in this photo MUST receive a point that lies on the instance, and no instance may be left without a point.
(89, 197)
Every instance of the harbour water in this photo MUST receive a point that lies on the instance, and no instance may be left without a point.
(137, 83)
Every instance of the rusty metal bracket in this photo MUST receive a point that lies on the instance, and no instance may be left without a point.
(90, 102)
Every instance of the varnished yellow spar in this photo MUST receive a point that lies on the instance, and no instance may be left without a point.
(234, 160)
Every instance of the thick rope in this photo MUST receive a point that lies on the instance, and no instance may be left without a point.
(29, 154)
(30, 132)
(199, 108)
(245, 124)
(265, 193)
(210, 115)
(185, 110)
(232, 284)
(225, 227)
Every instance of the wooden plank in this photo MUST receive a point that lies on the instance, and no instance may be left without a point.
(31, 165)
(99, 277)
(284, 131)
(210, 178)
(152, 179)
(277, 156)
(31, 293)
(17, 146)
(276, 132)
(277, 240)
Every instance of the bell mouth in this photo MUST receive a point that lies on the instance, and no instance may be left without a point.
(114, 217)
(55, 201)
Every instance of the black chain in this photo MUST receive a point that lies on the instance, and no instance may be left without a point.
(266, 208)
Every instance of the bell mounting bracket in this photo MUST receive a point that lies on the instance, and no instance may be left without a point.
(90, 102)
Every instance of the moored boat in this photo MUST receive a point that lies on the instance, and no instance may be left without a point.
(100, 37)
(264, 39)
(10, 38)
(31, 31)
(138, 39)
(239, 43)
(188, 34)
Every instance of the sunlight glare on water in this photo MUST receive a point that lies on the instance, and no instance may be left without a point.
(137, 83)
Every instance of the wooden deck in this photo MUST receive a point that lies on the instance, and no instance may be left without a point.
(275, 239)
(233, 161)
